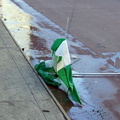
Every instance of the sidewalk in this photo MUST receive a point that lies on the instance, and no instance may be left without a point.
(22, 95)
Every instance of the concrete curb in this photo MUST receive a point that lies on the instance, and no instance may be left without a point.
(40, 79)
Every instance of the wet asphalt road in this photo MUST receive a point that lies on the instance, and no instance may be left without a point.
(95, 23)
(95, 27)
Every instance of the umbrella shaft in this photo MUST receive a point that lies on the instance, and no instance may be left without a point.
(81, 74)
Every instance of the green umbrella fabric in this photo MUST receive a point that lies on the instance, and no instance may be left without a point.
(58, 71)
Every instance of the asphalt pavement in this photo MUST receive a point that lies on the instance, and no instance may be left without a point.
(93, 22)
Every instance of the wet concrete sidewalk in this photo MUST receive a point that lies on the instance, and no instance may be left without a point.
(22, 95)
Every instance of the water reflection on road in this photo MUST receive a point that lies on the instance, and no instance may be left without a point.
(36, 33)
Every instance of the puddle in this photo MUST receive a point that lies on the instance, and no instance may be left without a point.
(35, 34)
